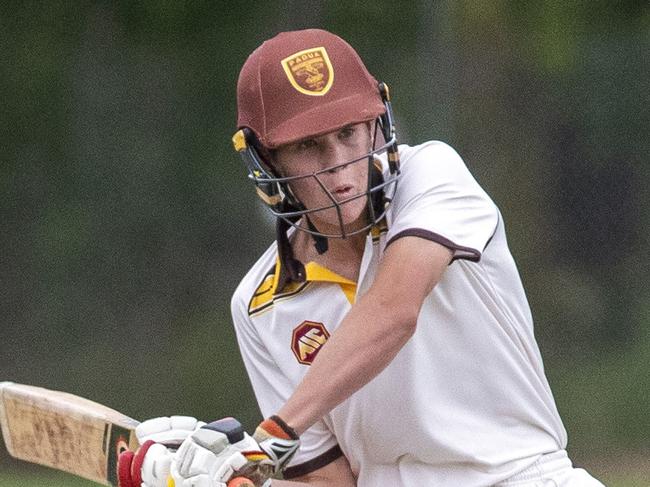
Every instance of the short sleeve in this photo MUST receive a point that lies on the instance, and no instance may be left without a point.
(272, 389)
(437, 198)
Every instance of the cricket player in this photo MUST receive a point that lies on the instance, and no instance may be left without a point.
(386, 332)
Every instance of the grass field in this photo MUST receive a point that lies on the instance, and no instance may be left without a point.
(48, 478)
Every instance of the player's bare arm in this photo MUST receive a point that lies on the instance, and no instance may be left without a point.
(337, 473)
(386, 317)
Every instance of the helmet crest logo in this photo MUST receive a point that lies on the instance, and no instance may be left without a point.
(310, 71)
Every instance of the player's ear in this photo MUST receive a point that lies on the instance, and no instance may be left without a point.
(269, 159)
(271, 156)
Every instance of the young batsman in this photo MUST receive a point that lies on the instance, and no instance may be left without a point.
(386, 332)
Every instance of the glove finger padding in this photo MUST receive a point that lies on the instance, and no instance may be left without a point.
(199, 453)
(218, 452)
(170, 431)
(124, 462)
(155, 466)
(129, 466)
(246, 458)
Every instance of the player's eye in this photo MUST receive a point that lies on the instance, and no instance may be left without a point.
(347, 132)
(305, 144)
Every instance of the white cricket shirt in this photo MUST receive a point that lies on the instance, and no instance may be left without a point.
(465, 402)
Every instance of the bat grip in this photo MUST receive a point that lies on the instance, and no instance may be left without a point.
(240, 482)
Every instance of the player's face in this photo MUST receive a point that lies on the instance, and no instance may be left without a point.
(322, 160)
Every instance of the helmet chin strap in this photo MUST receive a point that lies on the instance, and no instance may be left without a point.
(291, 269)
(320, 242)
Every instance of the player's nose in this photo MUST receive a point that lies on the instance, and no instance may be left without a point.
(335, 155)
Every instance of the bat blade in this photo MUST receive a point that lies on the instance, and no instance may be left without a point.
(64, 431)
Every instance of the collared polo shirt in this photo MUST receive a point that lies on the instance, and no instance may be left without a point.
(465, 402)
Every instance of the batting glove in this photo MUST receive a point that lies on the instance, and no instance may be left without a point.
(278, 440)
(159, 438)
(221, 451)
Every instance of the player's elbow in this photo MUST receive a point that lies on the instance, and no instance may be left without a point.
(408, 321)
(402, 318)
(394, 319)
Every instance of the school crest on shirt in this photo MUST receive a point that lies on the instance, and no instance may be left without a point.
(307, 340)
(310, 71)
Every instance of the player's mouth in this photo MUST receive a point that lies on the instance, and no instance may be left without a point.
(343, 191)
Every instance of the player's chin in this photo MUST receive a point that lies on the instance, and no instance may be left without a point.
(355, 216)
(350, 217)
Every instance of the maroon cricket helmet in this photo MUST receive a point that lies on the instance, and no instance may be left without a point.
(303, 84)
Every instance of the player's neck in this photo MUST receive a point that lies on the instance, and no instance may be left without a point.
(343, 256)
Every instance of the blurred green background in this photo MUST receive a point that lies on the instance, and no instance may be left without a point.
(127, 220)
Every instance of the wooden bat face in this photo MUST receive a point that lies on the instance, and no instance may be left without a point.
(64, 431)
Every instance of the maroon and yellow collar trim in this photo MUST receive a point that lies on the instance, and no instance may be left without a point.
(269, 291)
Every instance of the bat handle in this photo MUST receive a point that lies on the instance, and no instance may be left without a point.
(236, 482)
(240, 482)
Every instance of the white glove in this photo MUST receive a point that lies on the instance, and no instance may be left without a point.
(217, 452)
(156, 466)
(159, 437)
(170, 431)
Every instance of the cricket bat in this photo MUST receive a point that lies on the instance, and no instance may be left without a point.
(67, 432)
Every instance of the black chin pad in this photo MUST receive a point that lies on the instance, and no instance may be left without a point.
(321, 244)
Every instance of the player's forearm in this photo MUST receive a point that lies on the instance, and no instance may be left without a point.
(373, 332)
(289, 483)
(313, 483)
(367, 340)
